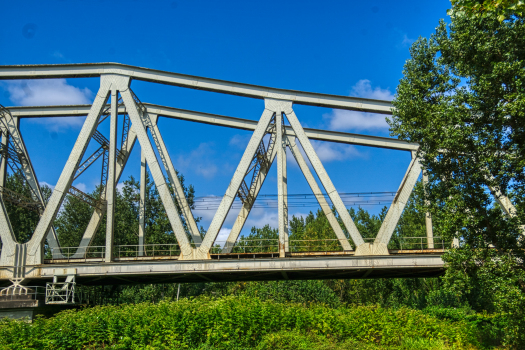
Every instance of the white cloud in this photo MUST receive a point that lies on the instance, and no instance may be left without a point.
(223, 236)
(120, 186)
(43, 183)
(45, 92)
(351, 120)
(363, 88)
(344, 120)
(407, 41)
(240, 141)
(259, 217)
(328, 152)
(81, 186)
(200, 160)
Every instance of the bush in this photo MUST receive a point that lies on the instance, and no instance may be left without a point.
(232, 323)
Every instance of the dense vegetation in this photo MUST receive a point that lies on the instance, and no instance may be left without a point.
(247, 323)
(462, 99)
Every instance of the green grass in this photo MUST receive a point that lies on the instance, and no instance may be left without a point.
(241, 323)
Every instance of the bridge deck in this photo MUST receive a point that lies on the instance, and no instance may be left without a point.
(241, 267)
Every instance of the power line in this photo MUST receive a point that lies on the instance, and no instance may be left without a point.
(269, 201)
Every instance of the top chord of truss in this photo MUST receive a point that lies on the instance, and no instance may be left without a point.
(84, 70)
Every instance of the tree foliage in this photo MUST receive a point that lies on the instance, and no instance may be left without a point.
(462, 98)
(74, 217)
(501, 9)
(23, 221)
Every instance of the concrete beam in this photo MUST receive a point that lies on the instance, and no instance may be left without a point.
(47, 71)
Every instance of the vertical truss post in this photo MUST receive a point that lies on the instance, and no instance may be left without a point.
(319, 194)
(111, 186)
(156, 172)
(428, 217)
(323, 177)
(68, 173)
(233, 188)
(282, 188)
(142, 203)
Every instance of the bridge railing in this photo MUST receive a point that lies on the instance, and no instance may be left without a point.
(314, 245)
(148, 250)
(90, 252)
(262, 245)
(245, 246)
(18, 292)
(416, 243)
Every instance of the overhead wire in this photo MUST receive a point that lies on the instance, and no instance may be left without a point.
(299, 200)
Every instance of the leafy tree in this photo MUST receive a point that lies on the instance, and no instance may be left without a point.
(74, 217)
(462, 98)
(23, 221)
(260, 240)
(485, 8)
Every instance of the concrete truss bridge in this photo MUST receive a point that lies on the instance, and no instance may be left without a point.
(195, 258)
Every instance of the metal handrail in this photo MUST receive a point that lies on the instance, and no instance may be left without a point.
(261, 245)
(14, 291)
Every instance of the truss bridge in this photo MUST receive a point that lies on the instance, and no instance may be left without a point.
(195, 257)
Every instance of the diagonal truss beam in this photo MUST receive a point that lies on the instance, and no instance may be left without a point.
(398, 204)
(506, 205)
(323, 176)
(90, 160)
(233, 188)
(156, 172)
(66, 178)
(7, 235)
(318, 194)
(151, 121)
(247, 205)
(11, 132)
(98, 213)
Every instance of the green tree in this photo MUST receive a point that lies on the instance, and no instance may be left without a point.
(23, 221)
(501, 9)
(462, 98)
(74, 217)
(260, 240)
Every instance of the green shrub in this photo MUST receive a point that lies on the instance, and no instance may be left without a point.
(232, 323)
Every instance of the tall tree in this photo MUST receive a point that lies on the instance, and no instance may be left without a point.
(462, 98)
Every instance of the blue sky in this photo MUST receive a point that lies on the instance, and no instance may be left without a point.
(336, 47)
